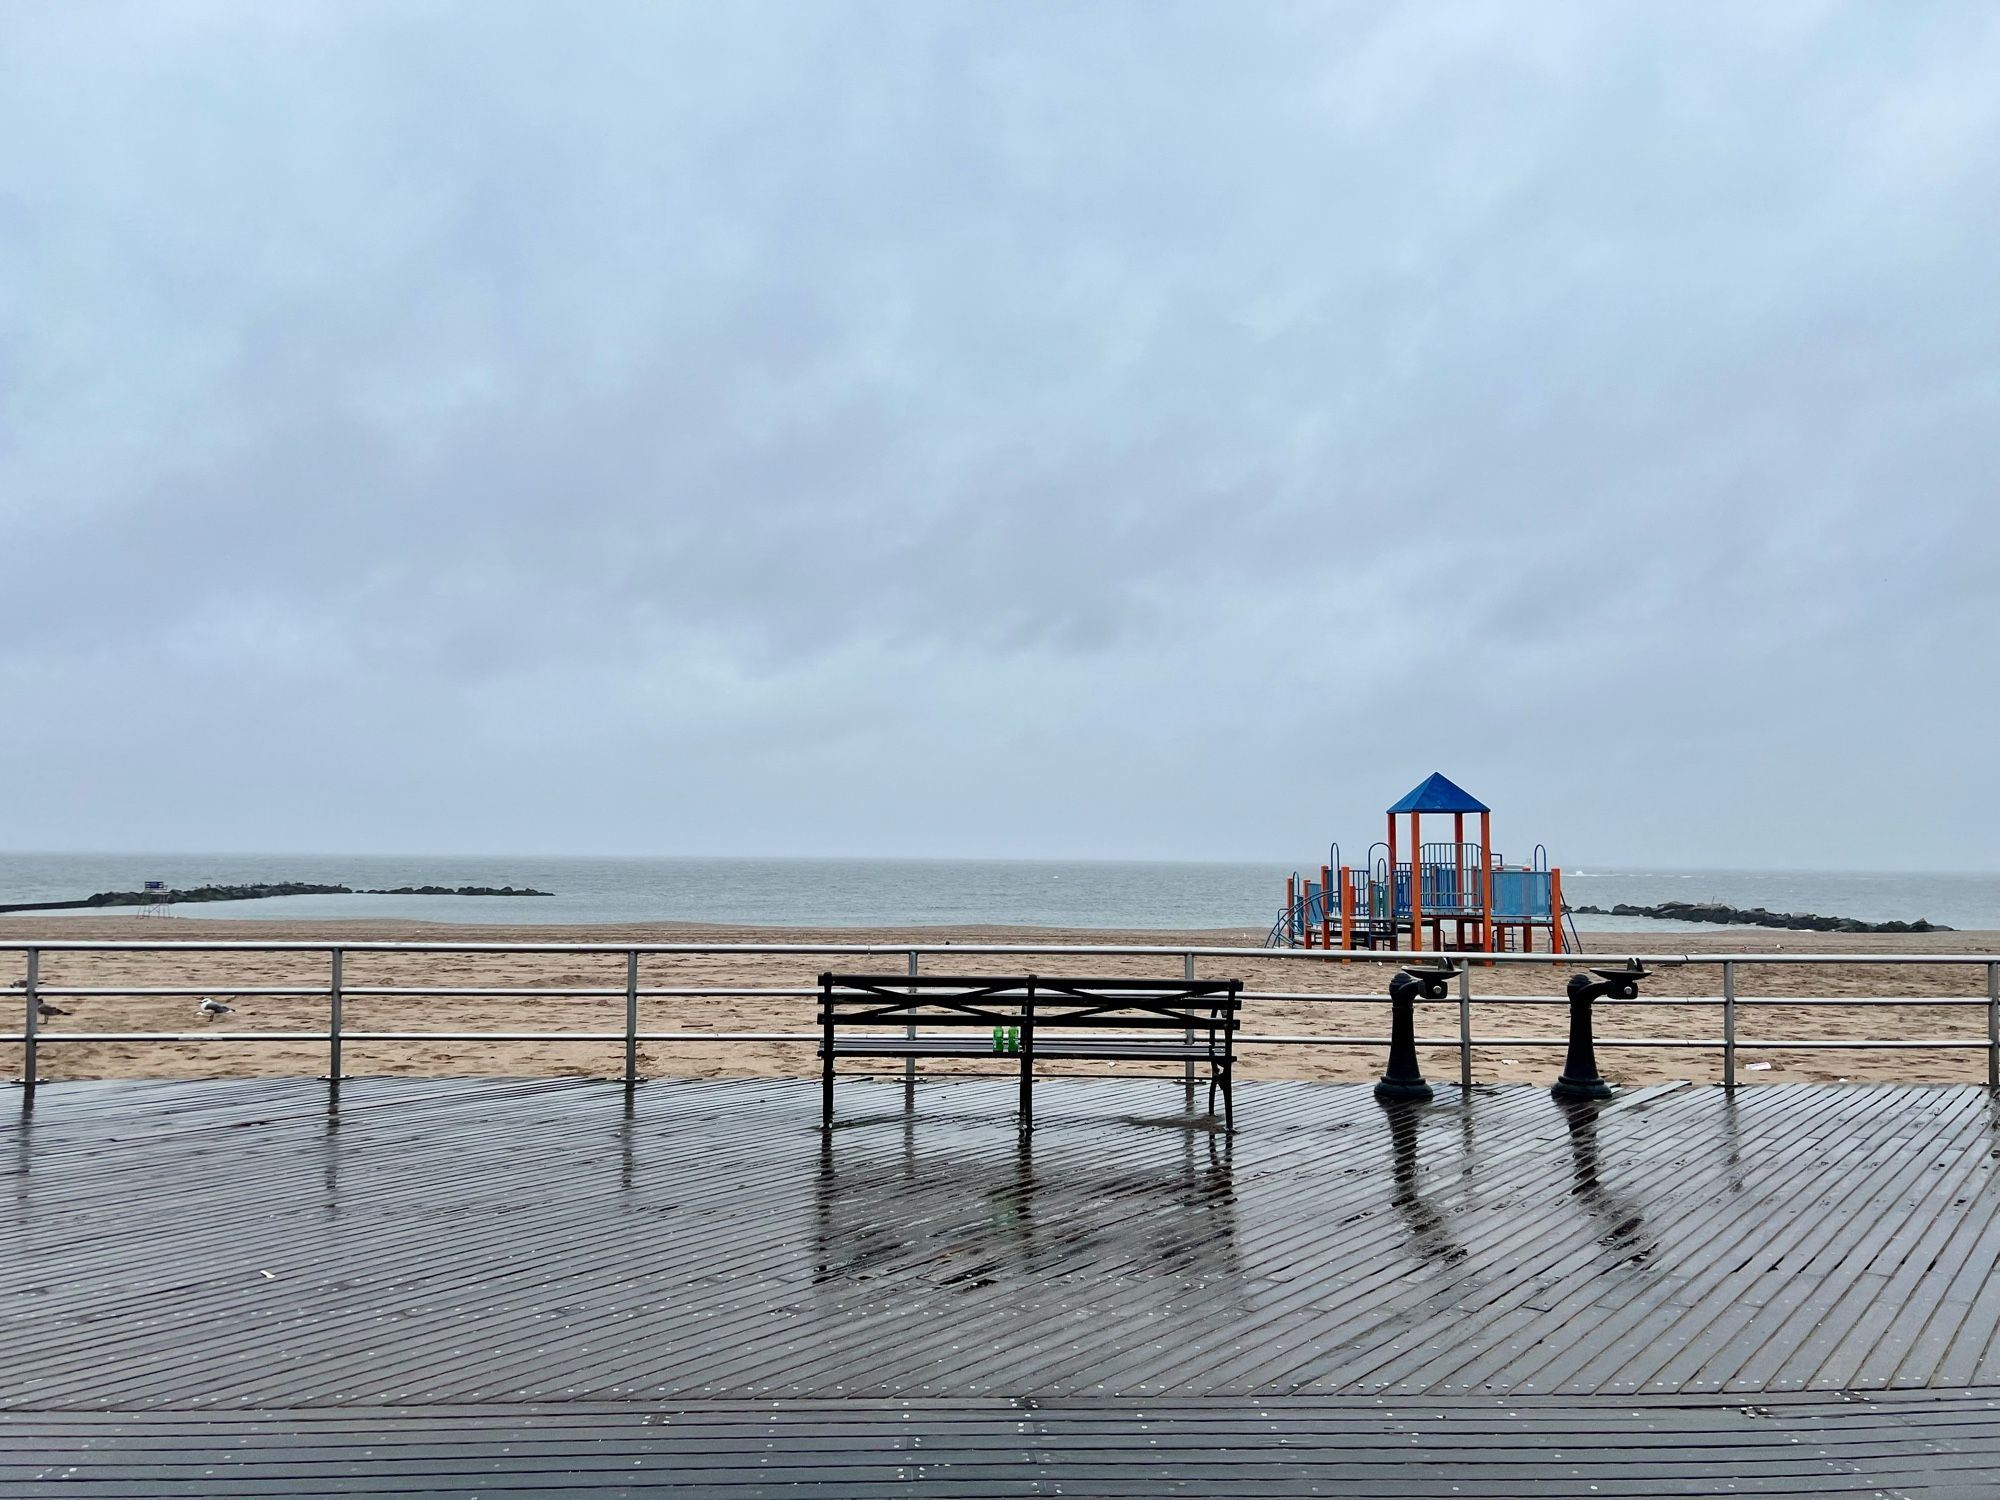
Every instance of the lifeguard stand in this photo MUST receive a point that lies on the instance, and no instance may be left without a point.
(1457, 895)
(159, 900)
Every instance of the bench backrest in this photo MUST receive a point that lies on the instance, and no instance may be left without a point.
(1041, 1000)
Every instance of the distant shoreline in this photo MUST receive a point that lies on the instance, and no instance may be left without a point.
(119, 924)
(858, 893)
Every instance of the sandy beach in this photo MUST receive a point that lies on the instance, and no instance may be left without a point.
(1493, 1014)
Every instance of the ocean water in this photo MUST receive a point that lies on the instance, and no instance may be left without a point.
(905, 892)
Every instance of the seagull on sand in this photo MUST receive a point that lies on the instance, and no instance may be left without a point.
(211, 1008)
(42, 1007)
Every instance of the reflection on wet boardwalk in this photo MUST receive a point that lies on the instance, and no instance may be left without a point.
(195, 1248)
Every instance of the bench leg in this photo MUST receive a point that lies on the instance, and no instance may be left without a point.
(826, 1081)
(1028, 1060)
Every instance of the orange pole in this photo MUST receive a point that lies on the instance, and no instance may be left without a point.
(1391, 898)
(1291, 905)
(1416, 882)
(1347, 909)
(1326, 906)
(1486, 878)
(1556, 911)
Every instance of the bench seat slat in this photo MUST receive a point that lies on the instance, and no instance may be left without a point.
(1045, 984)
(952, 1047)
(1198, 1020)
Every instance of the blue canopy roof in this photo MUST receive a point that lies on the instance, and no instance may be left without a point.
(1439, 793)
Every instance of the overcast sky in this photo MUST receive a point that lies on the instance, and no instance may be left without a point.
(1110, 430)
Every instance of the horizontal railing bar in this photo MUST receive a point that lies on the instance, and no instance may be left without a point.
(347, 1034)
(140, 992)
(1807, 1001)
(803, 1037)
(1397, 957)
(1608, 1004)
(680, 992)
(1645, 1000)
(792, 992)
(192, 991)
(725, 992)
(46, 1038)
(183, 992)
(1245, 1039)
(450, 992)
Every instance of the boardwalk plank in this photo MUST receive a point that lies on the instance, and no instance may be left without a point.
(1223, 1446)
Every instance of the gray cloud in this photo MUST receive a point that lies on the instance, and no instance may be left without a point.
(1016, 429)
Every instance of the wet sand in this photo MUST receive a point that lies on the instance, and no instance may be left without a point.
(224, 974)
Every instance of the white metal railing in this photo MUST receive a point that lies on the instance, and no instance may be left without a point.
(335, 990)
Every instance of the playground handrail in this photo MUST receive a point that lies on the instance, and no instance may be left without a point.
(335, 991)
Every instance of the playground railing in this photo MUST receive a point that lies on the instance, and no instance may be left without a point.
(632, 984)
(1448, 892)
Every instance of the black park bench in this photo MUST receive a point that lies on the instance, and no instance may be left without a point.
(1027, 1016)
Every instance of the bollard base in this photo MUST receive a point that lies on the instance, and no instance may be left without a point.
(1567, 1087)
(1406, 1088)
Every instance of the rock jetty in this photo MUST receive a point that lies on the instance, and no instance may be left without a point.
(1754, 916)
(455, 890)
(259, 892)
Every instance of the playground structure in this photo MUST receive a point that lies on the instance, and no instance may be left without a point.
(1436, 897)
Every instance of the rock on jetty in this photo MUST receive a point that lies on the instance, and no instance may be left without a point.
(1755, 916)
(259, 892)
(456, 890)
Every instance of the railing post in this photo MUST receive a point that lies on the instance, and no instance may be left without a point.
(1728, 1024)
(631, 1017)
(910, 1031)
(333, 1017)
(1993, 1028)
(29, 1045)
(1187, 1065)
(1465, 1029)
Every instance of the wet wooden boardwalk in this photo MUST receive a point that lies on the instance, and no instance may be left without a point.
(560, 1287)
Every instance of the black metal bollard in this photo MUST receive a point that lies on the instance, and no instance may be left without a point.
(1580, 1078)
(1404, 1079)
